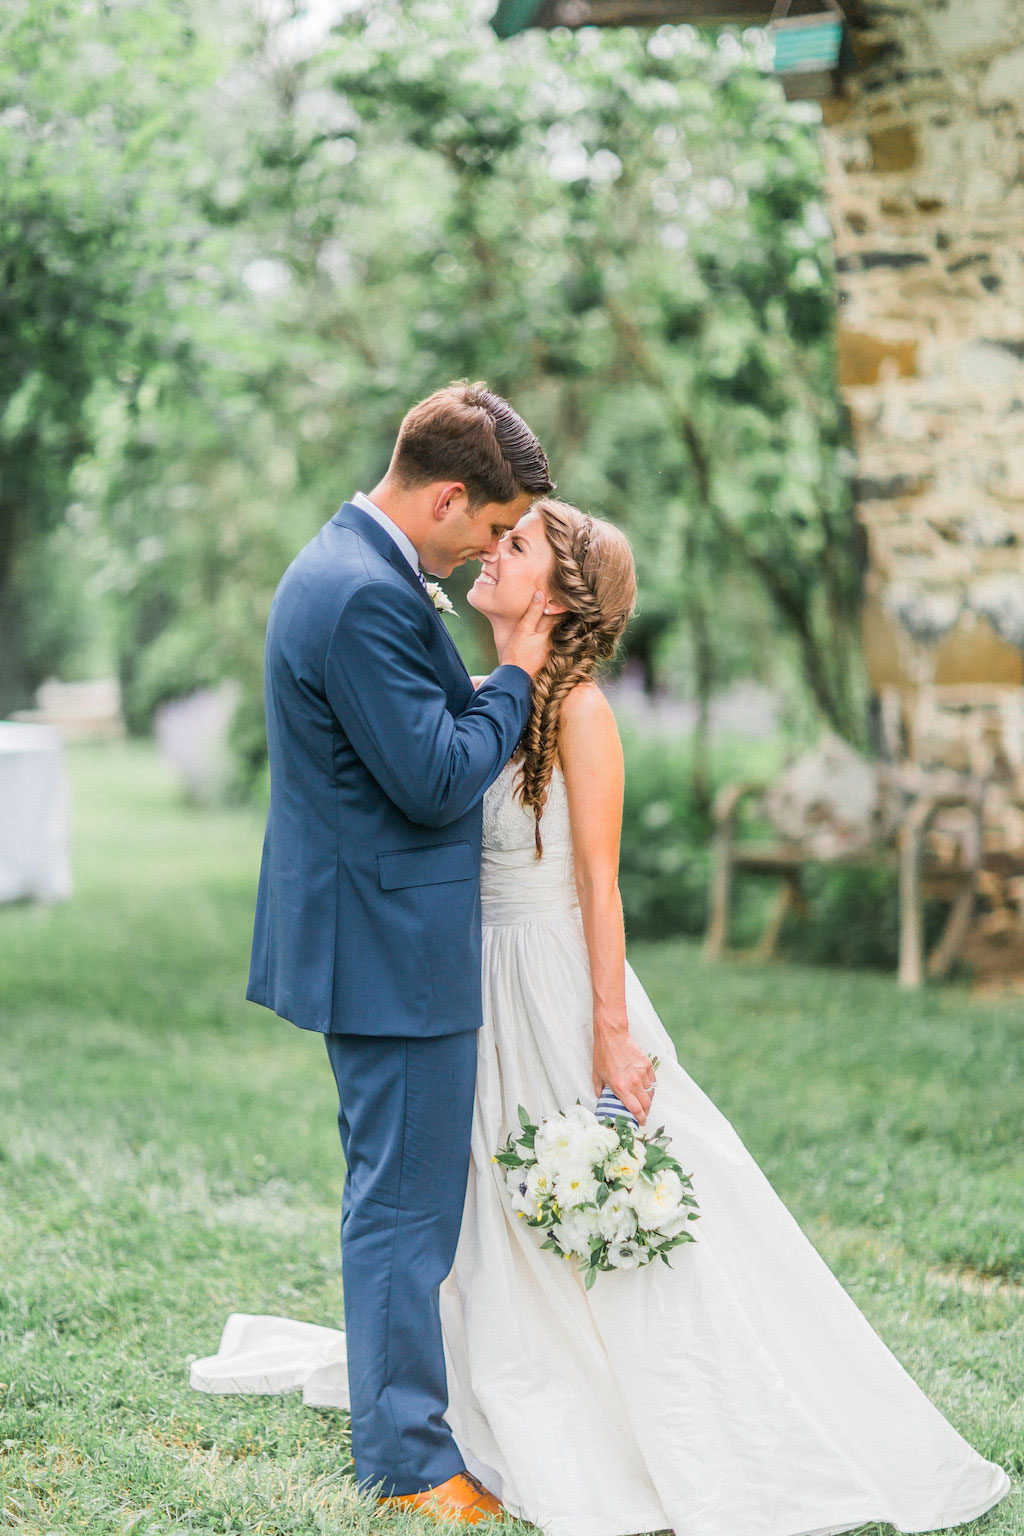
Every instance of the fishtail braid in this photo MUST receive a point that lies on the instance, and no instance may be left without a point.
(594, 577)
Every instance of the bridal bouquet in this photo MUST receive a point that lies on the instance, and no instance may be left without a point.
(605, 1193)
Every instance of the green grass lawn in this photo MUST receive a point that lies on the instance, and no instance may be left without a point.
(168, 1153)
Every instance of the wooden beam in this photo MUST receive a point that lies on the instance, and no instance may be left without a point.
(652, 13)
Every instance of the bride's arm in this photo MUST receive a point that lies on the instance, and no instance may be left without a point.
(591, 758)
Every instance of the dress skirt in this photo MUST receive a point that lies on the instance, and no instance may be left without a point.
(738, 1392)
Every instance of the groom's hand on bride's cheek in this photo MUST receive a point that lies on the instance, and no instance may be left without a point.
(529, 642)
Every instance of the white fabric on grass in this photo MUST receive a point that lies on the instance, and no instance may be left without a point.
(35, 815)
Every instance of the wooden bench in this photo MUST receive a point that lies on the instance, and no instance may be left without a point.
(936, 852)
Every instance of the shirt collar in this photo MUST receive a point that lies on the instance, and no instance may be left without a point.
(401, 538)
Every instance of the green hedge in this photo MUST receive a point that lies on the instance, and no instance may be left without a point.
(663, 868)
(666, 842)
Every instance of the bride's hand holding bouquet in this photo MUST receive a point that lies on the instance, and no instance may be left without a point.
(604, 1193)
(620, 1064)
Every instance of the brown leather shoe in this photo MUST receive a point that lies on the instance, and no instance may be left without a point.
(462, 1499)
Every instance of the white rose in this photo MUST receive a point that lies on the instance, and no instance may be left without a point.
(575, 1231)
(556, 1137)
(624, 1255)
(615, 1219)
(622, 1165)
(579, 1133)
(657, 1199)
(439, 597)
(598, 1141)
(556, 1161)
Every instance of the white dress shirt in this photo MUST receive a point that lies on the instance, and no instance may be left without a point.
(402, 539)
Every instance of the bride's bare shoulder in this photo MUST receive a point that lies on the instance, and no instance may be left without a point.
(585, 707)
(586, 727)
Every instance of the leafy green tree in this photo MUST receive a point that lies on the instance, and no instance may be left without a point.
(623, 232)
(89, 104)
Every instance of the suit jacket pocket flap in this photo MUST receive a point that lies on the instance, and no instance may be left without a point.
(426, 866)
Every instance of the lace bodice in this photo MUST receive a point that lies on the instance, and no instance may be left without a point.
(508, 824)
(515, 886)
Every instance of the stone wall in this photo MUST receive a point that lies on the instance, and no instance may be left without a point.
(926, 169)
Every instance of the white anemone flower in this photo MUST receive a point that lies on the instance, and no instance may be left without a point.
(624, 1255)
(515, 1182)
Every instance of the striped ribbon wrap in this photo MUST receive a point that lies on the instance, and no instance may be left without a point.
(611, 1107)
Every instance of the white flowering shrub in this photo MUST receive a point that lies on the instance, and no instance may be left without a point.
(603, 1193)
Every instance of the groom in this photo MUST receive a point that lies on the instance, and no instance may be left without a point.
(368, 915)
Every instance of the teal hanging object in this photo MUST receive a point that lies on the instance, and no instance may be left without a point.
(514, 16)
(810, 51)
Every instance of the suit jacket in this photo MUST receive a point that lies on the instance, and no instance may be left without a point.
(368, 911)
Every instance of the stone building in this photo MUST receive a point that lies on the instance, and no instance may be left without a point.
(924, 146)
(925, 159)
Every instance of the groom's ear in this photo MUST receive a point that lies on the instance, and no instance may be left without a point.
(449, 496)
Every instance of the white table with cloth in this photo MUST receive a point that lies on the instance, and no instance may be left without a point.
(35, 815)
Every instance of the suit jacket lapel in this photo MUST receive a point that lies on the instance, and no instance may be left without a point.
(398, 560)
(360, 522)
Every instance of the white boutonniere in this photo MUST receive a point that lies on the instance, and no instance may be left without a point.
(440, 599)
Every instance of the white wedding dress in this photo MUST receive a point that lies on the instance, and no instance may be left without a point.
(739, 1392)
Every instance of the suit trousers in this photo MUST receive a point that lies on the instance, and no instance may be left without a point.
(405, 1115)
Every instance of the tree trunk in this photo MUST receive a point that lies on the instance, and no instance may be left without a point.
(15, 685)
(704, 672)
(830, 685)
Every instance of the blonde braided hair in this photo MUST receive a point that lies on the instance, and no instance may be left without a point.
(594, 576)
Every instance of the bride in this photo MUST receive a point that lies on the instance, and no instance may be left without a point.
(737, 1392)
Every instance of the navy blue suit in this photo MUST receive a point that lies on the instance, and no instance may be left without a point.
(367, 929)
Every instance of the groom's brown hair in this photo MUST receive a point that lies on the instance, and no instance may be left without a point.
(468, 433)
